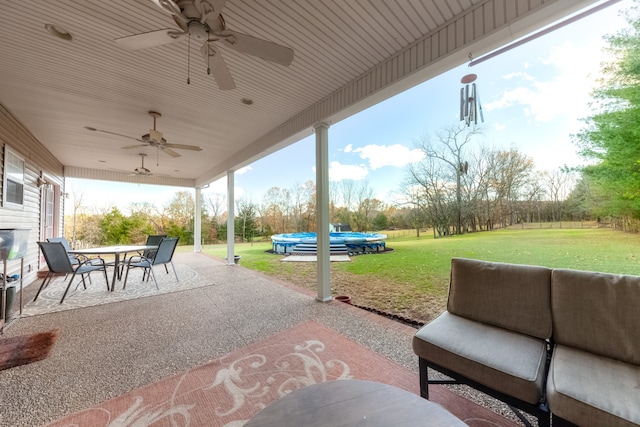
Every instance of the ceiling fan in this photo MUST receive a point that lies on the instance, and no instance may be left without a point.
(141, 170)
(202, 21)
(152, 139)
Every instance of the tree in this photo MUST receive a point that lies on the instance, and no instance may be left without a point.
(272, 209)
(180, 211)
(304, 205)
(435, 184)
(380, 222)
(245, 222)
(611, 139)
(431, 194)
(116, 227)
(512, 173)
(77, 206)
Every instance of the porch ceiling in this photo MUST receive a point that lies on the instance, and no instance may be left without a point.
(348, 55)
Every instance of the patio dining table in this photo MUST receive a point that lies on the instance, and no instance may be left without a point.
(113, 250)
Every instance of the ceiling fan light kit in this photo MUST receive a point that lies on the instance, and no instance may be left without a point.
(202, 21)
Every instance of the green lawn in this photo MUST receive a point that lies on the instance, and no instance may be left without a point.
(418, 268)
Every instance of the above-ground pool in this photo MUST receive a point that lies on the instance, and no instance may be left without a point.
(355, 242)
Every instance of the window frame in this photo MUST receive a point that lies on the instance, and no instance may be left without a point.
(12, 160)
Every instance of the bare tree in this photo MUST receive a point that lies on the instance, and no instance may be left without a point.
(216, 203)
(512, 171)
(558, 184)
(365, 203)
(445, 155)
(432, 194)
(303, 205)
(77, 206)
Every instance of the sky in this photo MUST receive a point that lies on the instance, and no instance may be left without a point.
(533, 99)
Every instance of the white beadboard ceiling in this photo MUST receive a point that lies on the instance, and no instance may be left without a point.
(348, 55)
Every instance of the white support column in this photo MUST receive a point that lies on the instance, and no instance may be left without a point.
(322, 211)
(230, 218)
(197, 222)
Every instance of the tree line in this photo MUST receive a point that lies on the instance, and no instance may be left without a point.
(461, 187)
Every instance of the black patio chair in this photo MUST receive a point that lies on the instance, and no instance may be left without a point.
(59, 262)
(75, 259)
(162, 256)
(153, 240)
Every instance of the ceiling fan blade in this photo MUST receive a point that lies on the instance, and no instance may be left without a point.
(258, 47)
(168, 6)
(169, 151)
(217, 5)
(184, 147)
(134, 146)
(217, 67)
(111, 133)
(150, 39)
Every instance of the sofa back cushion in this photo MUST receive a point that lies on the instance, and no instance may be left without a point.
(511, 296)
(597, 312)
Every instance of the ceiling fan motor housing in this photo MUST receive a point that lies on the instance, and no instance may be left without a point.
(154, 135)
(198, 30)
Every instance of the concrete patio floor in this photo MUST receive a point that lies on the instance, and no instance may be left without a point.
(107, 350)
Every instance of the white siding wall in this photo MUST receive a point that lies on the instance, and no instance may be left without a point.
(38, 161)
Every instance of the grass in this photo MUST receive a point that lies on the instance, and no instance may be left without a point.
(412, 281)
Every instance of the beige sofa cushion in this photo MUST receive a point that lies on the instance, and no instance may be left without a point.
(511, 296)
(591, 390)
(598, 313)
(506, 361)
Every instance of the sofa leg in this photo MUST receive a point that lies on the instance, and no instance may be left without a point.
(424, 378)
(556, 421)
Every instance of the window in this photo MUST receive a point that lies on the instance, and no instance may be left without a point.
(13, 185)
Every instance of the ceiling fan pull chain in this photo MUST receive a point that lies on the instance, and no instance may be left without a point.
(208, 57)
(189, 59)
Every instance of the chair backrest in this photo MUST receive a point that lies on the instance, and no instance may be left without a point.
(510, 296)
(165, 250)
(56, 256)
(155, 239)
(62, 240)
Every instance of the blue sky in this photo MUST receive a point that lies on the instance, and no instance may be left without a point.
(533, 98)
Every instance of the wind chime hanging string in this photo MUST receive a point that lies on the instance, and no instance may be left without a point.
(470, 107)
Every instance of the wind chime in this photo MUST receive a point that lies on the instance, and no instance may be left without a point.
(470, 108)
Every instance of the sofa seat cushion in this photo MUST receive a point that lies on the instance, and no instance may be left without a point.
(592, 390)
(503, 360)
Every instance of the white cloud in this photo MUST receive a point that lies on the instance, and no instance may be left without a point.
(348, 148)
(519, 75)
(243, 170)
(219, 186)
(575, 73)
(499, 127)
(339, 172)
(393, 155)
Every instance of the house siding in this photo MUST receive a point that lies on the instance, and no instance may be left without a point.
(39, 162)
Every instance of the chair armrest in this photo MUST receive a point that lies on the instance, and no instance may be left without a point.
(79, 257)
(97, 262)
(137, 258)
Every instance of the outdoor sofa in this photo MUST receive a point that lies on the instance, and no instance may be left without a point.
(562, 345)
